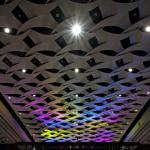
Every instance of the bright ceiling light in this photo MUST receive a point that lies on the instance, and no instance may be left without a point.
(34, 95)
(76, 95)
(24, 70)
(120, 95)
(130, 70)
(9, 97)
(136, 110)
(147, 29)
(76, 70)
(20, 113)
(6, 30)
(148, 92)
(76, 29)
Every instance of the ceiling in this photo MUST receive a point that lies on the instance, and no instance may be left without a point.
(140, 132)
(55, 103)
(10, 131)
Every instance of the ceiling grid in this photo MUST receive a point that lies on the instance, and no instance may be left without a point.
(39, 55)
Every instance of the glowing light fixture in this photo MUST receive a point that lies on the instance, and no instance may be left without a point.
(76, 29)
(34, 95)
(148, 92)
(9, 97)
(119, 95)
(6, 30)
(76, 95)
(24, 70)
(76, 70)
(130, 70)
(147, 29)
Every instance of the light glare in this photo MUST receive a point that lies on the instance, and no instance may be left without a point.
(76, 95)
(147, 29)
(9, 97)
(130, 70)
(24, 70)
(76, 70)
(7, 30)
(119, 95)
(76, 29)
(148, 92)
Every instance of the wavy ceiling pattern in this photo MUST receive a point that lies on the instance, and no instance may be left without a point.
(56, 104)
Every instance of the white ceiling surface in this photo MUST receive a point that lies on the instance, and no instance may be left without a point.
(114, 14)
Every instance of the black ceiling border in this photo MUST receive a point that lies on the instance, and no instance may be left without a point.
(12, 112)
(134, 122)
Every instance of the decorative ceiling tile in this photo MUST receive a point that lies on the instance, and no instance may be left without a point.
(39, 58)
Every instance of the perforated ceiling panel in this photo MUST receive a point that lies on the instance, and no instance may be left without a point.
(56, 104)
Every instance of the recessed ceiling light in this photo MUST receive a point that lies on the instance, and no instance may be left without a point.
(34, 95)
(119, 95)
(147, 29)
(24, 70)
(130, 70)
(76, 29)
(76, 95)
(6, 30)
(20, 113)
(70, 147)
(9, 97)
(148, 92)
(76, 70)
(136, 110)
